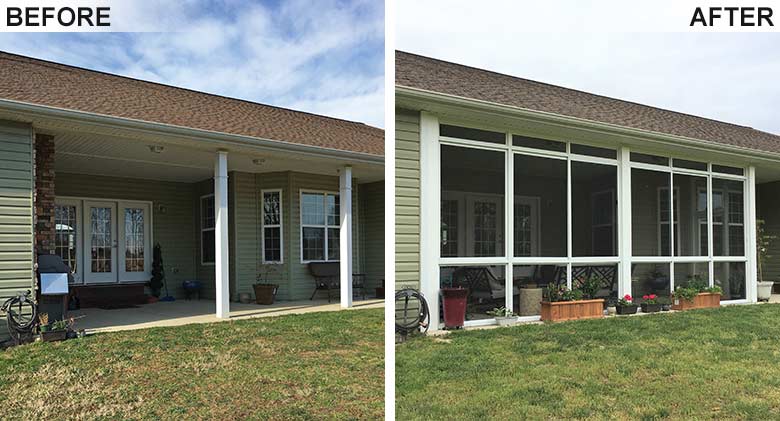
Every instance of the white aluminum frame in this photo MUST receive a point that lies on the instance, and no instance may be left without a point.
(280, 225)
(430, 221)
(324, 194)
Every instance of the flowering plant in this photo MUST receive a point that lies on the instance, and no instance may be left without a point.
(627, 300)
(650, 299)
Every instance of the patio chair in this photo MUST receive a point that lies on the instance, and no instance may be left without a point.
(326, 278)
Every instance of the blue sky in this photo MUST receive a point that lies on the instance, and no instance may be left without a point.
(591, 46)
(325, 57)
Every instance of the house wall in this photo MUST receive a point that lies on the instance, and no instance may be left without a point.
(172, 213)
(372, 234)
(407, 199)
(245, 225)
(16, 211)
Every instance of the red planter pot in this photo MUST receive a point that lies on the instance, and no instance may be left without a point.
(454, 303)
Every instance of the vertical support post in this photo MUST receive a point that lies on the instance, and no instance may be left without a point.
(430, 214)
(345, 236)
(509, 224)
(221, 265)
(750, 237)
(624, 220)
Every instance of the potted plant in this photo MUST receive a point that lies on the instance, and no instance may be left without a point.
(454, 306)
(650, 304)
(58, 332)
(503, 315)
(763, 241)
(265, 292)
(694, 296)
(43, 322)
(626, 305)
(565, 304)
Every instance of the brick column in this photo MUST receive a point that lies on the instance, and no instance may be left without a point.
(44, 194)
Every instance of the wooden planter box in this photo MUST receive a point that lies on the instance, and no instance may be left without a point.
(702, 300)
(572, 310)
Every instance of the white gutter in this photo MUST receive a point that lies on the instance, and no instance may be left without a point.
(575, 122)
(186, 133)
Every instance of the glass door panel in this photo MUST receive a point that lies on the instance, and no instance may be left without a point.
(101, 242)
(485, 228)
(67, 235)
(134, 242)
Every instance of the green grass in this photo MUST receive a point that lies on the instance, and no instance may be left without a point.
(311, 366)
(701, 364)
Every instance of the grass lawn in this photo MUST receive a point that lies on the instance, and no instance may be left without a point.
(718, 363)
(312, 366)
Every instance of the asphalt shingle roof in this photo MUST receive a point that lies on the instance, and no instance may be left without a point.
(41, 82)
(415, 71)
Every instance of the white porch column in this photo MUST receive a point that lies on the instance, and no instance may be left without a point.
(430, 214)
(751, 289)
(221, 265)
(624, 221)
(345, 236)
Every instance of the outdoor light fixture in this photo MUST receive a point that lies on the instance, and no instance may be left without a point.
(258, 161)
(156, 148)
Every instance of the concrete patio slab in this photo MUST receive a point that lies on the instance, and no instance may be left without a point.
(182, 312)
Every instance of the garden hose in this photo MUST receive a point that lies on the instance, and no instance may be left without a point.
(410, 316)
(18, 327)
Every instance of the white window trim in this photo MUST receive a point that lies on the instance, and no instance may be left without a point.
(430, 192)
(280, 225)
(325, 193)
(202, 230)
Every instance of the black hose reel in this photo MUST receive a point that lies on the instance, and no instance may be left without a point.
(411, 312)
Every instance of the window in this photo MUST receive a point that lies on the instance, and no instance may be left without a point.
(207, 225)
(540, 204)
(664, 233)
(594, 209)
(319, 226)
(272, 226)
(650, 212)
(728, 213)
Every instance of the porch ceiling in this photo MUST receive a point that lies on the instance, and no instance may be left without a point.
(120, 156)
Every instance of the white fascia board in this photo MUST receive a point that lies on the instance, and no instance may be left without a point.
(422, 97)
(219, 139)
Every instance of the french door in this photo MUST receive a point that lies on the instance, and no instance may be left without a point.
(484, 234)
(104, 241)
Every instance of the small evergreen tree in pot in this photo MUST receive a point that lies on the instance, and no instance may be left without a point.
(158, 271)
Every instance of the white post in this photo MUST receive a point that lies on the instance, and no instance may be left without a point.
(624, 221)
(751, 289)
(430, 214)
(221, 266)
(345, 236)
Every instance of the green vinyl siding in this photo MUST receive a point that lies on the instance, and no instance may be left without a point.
(372, 234)
(172, 216)
(16, 211)
(407, 199)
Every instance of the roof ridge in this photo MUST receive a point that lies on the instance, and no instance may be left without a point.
(505, 75)
(68, 67)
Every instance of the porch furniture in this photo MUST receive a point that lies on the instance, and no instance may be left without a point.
(529, 301)
(191, 287)
(485, 289)
(326, 278)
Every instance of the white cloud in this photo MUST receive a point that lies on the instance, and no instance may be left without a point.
(729, 77)
(323, 57)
